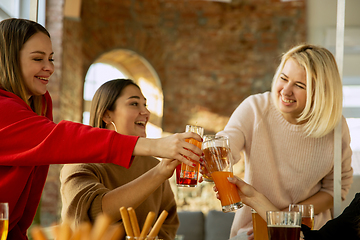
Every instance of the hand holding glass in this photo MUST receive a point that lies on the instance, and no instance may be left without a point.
(219, 150)
(209, 164)
(187, 176)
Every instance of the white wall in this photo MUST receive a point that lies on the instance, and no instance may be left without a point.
(21, 9)
(322, 20)
(322, 17)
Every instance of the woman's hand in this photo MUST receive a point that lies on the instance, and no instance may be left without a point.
(251, 197)
(245, 191)
(250, 234)
(203, 169)
(166, 167)
(172, 147)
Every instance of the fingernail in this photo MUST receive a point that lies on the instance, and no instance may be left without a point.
(194, 165)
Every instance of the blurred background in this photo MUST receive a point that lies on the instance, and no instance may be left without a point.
(195, 61)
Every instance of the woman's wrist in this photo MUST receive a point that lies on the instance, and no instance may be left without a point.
(143, 147)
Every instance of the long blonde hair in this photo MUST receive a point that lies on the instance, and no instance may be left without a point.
(13, 35)
(323, 109)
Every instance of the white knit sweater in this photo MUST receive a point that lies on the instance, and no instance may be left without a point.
(280, 161)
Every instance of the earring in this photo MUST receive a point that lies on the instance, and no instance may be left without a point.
(114, 126)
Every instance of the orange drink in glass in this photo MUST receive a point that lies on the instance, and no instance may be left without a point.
(210, 165)
(307, 213)
(259, 226)
(229, 196)
(187, 176)
(222, 168)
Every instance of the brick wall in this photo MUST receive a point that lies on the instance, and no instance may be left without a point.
(209, 55)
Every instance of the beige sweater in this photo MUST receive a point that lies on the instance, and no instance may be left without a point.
(280, 161)
(84, 185)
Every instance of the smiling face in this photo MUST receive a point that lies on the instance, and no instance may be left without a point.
(290, 90)
(130, 115)
(36, 62)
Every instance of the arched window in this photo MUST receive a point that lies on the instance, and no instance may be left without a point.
(126, 64)
(97, 74)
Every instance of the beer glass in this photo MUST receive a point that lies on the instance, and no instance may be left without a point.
(307, 213)
(209, 164)
(142, 238)
(219, 150)
(283, 225)
(259, 226)
(187, 176)
(4, 220)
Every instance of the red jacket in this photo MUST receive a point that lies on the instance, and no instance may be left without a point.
(29, 143)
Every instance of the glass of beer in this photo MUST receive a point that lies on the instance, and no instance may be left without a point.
(209, 164)
(283, 225)
(259, 226)
(187, 176)
(4, 220)
(219, 151)
(307, 213)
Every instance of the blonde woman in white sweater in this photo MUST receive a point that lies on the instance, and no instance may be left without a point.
(287, 136)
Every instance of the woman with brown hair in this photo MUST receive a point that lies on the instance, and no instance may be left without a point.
(30, 140)
(90, 189)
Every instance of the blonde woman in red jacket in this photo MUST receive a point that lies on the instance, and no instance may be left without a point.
(30, 140)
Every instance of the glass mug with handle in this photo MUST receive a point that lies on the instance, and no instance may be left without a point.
(4, 220)
(219, 151)
(307, 213)
(187, 176)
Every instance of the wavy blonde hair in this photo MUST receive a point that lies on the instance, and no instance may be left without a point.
(324, 96)
(13, 35)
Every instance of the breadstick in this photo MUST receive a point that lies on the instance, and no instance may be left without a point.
(37, 233)
(102, 222)
(155, 230)
(64, 231)
(134, 222)
(114, 232)
(147, 225)
(126, 221)
(85, 229)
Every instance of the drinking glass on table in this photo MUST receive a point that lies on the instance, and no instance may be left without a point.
(209, 164)
(187, 176)
(307, 213)
(142, 238)
(4, 220)
(283, 225)
(219, 150)
(259, 226)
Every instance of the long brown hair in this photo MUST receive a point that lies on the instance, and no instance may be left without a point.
(14, 33)
(105, 98)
